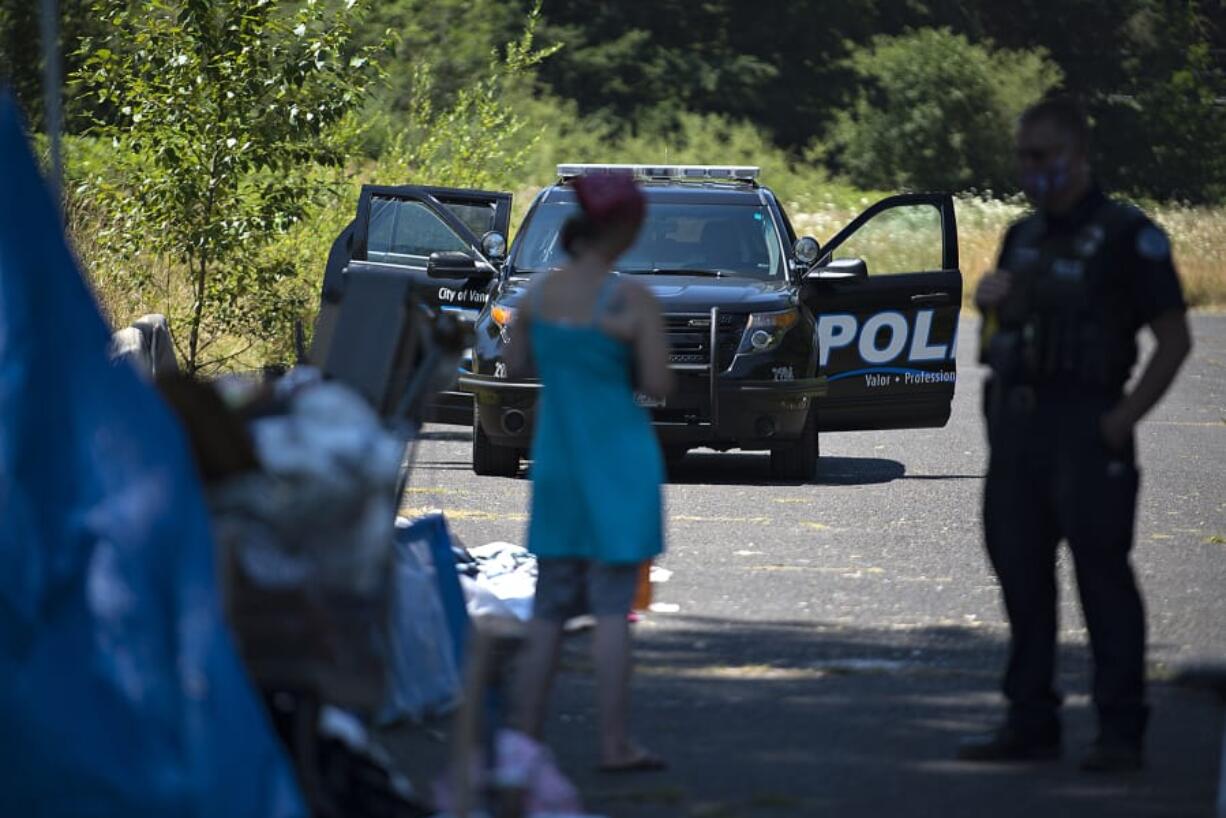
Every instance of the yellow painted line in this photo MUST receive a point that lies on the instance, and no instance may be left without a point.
(685, 518)
(816, 526)
(816, 569)
(763, 672)
(465, 514)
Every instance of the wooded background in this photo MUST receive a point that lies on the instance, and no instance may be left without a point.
(837, 101)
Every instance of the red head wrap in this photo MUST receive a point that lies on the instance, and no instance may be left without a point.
(609, 198)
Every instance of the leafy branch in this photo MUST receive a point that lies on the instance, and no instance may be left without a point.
(212, 107)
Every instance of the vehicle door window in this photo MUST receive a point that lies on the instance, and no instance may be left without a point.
(904, 239)
(403, 230)
(479, 217)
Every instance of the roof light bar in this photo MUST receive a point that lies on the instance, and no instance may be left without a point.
(714, 172)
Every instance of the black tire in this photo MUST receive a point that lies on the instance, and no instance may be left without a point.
(490, 459)
(798, 459)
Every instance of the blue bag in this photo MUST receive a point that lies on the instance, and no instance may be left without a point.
(428, 623)
(120, 690)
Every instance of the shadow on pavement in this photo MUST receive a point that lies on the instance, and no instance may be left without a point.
(753, 469)
(453, 435)
(740, 469)
(857, 471)
(796, 719)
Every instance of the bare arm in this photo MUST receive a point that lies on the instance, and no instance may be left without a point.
(656, 379)
(1174, 343)
(637, 322)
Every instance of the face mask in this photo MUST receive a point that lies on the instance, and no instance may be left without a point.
(1041, 185)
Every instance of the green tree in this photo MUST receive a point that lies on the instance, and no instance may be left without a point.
(1183, 118)
(453, 37)
(220, 108)
(479, 139)
(1173, 107)
(21, 51)
(937, 111)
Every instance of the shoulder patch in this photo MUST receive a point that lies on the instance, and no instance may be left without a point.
(1152, 244)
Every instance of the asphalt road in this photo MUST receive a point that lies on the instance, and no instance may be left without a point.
(830, 642)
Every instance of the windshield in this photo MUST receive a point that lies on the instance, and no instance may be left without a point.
(728, 239)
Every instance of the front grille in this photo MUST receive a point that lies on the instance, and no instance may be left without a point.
(689, 338)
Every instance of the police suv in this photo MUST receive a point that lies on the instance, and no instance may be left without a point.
(774, 337)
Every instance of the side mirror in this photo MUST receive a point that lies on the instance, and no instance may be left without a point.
(451, 265)
(494, 245)
(840, 269)
(806, 249)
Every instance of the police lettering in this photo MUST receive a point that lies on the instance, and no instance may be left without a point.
(883, 338)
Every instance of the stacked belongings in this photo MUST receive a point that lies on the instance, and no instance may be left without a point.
(306, 547)
(302, 483)
(305, 475)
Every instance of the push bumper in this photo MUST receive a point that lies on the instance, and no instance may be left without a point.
(707, 410)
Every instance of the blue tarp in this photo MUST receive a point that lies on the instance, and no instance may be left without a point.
(121, 693)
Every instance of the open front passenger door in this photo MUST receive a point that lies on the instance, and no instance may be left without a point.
(886, 292)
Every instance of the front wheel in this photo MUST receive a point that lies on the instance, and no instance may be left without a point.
(490, 459)
(798, 459)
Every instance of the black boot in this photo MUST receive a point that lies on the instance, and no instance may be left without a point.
(1009, 744)
(1114, 756)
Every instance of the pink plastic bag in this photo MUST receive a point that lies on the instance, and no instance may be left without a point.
(523, 764)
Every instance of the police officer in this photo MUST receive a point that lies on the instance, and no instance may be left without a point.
(1076, 281)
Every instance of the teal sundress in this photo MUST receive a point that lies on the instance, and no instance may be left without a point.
(596, 463)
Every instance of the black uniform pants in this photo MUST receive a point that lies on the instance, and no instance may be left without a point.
(1051, 478)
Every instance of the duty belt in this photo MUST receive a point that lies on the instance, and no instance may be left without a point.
(1022, 398)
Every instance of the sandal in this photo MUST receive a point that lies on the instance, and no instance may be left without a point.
(643, 762)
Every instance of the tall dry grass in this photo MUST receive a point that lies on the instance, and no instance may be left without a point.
(1198, 236)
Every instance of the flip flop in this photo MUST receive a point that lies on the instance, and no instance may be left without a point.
(644, 763)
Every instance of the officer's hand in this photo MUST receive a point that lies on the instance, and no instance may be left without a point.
(993, 289)
(1116, 428)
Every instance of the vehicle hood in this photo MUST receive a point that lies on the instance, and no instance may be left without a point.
(690, 294)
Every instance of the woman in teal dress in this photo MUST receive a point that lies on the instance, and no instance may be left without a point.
(593, 338)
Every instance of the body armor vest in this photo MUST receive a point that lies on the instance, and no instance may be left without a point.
(1068, 318)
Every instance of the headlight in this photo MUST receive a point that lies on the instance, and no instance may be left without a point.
(765, 330)
(503, 316)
